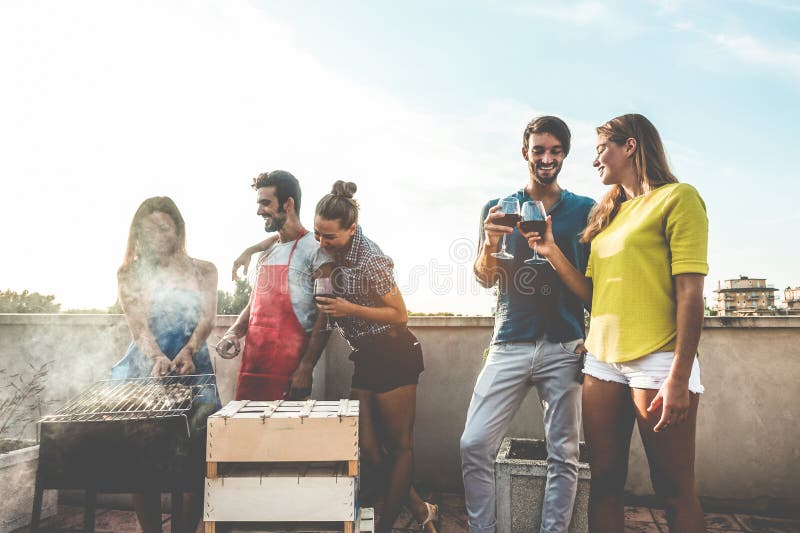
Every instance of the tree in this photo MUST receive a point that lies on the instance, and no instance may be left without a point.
(232, 304)
(115, 309)
(27, 302)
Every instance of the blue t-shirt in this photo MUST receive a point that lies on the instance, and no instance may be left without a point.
(531, 299)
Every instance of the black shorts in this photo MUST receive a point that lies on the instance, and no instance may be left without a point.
(385, 362)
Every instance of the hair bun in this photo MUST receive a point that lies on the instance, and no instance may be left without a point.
(344, 188)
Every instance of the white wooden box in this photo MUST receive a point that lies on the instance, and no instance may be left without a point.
(283, 431)
(281, 492)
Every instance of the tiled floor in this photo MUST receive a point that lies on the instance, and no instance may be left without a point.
(453, 520)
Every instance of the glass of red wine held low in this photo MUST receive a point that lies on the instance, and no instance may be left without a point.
(510, 209)
(324, 288)
(534, 218)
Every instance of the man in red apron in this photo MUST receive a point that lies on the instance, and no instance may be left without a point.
(284, 333)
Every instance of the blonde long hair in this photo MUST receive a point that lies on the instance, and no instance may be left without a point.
(649, 161)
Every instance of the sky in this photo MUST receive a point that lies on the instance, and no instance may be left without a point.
(422, 104)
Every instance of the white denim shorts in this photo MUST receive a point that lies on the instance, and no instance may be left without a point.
(648, 372)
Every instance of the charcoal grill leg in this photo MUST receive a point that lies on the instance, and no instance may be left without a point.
(38, 494)
(89, 509)
(177, 512)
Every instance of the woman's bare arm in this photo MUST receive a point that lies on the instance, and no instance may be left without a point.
(673, 397)
(546, 246)
(244, 258)
(132, 298)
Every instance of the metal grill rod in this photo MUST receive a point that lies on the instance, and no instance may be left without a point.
(135, 398)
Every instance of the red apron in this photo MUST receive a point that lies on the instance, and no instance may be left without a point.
(275, 339)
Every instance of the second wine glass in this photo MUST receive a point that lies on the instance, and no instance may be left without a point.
(534, 218)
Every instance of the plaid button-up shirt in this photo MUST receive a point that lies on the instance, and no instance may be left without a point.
(362, 275)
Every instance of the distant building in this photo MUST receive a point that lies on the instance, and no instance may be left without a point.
(746, 297)
(791, 297)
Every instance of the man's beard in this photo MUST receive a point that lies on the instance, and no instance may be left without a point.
(275, 223)
(544, 181)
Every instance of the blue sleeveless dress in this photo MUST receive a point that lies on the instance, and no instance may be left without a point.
(174, 315)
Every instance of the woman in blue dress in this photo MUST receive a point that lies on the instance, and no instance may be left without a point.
(169, 300)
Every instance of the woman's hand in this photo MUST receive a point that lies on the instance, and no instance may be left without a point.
(161, 366)
(673, 399)
(543, 244)
(335, 307)
(183, 362)
(242, 261)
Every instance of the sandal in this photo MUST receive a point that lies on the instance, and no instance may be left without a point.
(433, 516)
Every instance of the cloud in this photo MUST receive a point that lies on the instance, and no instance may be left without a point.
(756, 52)
(609, 19)
(667, 6)
(579, 14)
(789, 6)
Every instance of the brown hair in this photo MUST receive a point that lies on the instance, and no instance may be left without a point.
(161, 204)
(286, 186)
(339, 204)
(649, 162)
(548, 124)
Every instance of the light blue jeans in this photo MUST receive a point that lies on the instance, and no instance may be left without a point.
(510, 372)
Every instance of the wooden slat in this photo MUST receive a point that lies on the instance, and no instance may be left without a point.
(352, 468)
(344, 405)
(231, 409)
(280, 499)
(210, 527)
(348, 527)
(366, 520)
(268, 410)
(211, 470)
(307, 409)
(286, 527)
(364, 524)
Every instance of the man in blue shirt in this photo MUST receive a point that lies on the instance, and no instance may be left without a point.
(537, 341)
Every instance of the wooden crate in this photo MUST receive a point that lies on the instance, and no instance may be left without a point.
(283, 431)
(281, 492)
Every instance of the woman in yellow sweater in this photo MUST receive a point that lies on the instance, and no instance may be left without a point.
(649, 238)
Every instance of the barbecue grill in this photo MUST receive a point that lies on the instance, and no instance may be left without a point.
(132, 435)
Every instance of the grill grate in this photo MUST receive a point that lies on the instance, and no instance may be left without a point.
(140, 398)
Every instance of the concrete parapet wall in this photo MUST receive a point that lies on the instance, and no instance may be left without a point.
(748, 445)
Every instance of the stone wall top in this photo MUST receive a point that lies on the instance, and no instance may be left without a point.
(67, 319)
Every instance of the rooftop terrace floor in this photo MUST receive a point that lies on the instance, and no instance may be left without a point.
(453, 520)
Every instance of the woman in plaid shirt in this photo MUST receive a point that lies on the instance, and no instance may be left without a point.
(370, 313)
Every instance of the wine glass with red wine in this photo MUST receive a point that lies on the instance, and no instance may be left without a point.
(534, 218)
(510, 209)
(324, 287)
